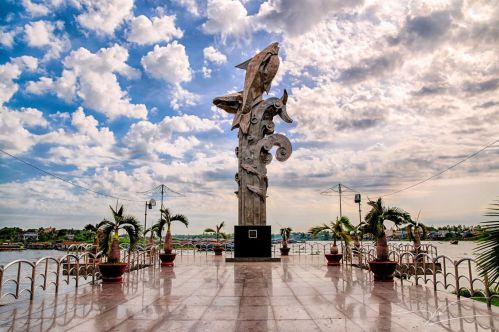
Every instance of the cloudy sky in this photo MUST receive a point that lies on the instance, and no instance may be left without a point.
(115, 96)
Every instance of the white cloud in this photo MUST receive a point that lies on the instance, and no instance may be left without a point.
(211, 54)
(14, 137)
(227, 17)
(206, 72)
(181, 97)
(35, 9)
(41, 34)
(190, 5)
(104, 16)
(92, 77)
(169, 63)
(85, 144)
(11, 71)
(147, 138)
(230, 17)
(145, 31)
(7, 37)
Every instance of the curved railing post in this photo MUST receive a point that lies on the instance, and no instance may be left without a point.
(434, 272)
(33, 280)
(458, 288)
(1, 280)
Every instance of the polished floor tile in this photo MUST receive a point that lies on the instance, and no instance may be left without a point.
(206, 294)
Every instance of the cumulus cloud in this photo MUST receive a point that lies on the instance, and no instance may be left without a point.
(211, 54)
(92, 77)
(15, 137)
(169, 63)
(190, 5)
(7, 37)
(181, 97)
(146, 138)
(104, 16)
(145, 31)
(226, 17)
(84, 144)
(10, 71)
(41, 34)
(230, 17)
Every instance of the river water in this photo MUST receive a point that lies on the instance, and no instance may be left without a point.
(461, 250)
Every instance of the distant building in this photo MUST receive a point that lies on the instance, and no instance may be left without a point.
(30, 236)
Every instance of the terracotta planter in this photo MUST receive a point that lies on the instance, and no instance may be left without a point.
(112, 273)
(167, 259)
(383, 271)
(284, 251)
(218, 250)
(333, 259)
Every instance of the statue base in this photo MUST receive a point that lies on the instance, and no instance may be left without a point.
(252, 242)
(252, 259)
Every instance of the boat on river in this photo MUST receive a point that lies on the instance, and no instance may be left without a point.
(9, 246)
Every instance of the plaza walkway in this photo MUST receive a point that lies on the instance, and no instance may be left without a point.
(203, 293)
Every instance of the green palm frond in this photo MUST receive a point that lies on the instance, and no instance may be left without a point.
(286, 232)
(180, 217)
(225, 236)
(90, 228)
(314, 231)
(107, 232)
(375, 218)
(487, 250)
(158, 227)
(210, 230)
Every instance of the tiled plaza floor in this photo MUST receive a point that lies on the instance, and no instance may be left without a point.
(203, 293)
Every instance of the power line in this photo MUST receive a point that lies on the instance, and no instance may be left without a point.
(445, 170)
(67, 181)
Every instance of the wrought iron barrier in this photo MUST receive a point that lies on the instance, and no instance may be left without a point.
(23, 276)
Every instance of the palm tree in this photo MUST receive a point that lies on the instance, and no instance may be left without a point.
(488, 246)
(374, 225)
(415, 232)
(285, 233)
(95, 231)
(167, 219)
(150, 230)
(338, 229)
(110, 238)
(217, 231)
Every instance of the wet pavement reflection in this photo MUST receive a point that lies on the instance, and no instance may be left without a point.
(204, 293)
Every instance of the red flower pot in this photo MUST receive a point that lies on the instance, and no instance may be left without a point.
(383, 271)
(218, 250)
(284, 251)
(333, 259)
(167, 259)
(112, 273)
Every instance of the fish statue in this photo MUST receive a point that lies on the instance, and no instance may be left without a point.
(260, 71)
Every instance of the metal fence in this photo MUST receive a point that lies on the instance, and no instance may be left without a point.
(23, 276)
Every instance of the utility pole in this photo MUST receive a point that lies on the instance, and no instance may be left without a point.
(357, 200)
(339, 190)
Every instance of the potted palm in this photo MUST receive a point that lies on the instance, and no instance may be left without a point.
(373, 224)
(113, 269)
(167, 257)
(285, 233)
(339, 230)
(218, 249)
(487, 251)
(416, 231)
(356, 235)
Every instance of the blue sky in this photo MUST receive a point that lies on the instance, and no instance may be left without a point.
(116, 96)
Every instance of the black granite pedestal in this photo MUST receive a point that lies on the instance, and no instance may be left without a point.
(252, 243)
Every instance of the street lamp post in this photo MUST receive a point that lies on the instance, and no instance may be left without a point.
(149, 206)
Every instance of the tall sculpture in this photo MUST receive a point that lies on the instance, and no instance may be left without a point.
(254, 116)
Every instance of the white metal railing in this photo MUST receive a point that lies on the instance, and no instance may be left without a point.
(23, 276)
